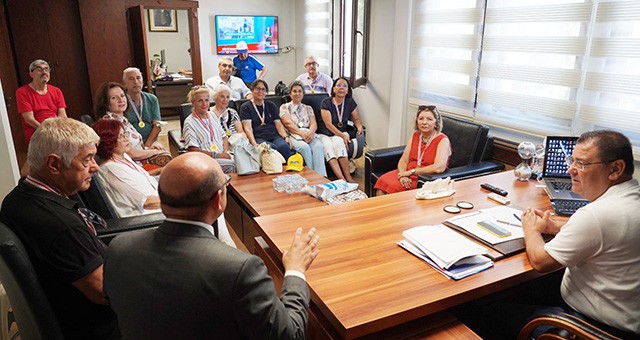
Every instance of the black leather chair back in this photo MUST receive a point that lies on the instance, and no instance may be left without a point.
(278, 100)
(465, 140)
(87, 119)
(315, 100)
(184, 110)
(31, 306)
(239, 103)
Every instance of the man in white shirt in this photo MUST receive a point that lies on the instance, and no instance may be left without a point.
(314, 81)
(238, 88)
(597, 246)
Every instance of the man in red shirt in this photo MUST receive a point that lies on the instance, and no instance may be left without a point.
(38, 100)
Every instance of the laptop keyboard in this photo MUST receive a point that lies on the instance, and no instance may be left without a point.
(561, 186)
(567, 207)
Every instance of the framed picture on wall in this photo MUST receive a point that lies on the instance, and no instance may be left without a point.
(163, 20)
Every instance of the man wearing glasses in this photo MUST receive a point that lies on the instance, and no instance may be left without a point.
(38, 100)
(314, 81)
(180, 282)
(597, 246)
(238, 88)
(59, 236)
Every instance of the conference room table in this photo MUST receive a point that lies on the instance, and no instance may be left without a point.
(253, 195)
(363, 284)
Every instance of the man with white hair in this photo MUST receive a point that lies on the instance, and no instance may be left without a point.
(39, 100)
(314, 81)
(59, 236)
(238, 88)
(143, 109)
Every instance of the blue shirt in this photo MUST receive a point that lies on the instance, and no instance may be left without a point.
(247, 68)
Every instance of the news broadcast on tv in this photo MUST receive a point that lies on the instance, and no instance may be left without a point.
(259, 32)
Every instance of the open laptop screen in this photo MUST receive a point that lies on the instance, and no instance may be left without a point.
(556, 149)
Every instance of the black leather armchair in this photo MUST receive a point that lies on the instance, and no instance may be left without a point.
(176, 144)
(95, 200)
(472, 151)
(562, 326)
(31, 306)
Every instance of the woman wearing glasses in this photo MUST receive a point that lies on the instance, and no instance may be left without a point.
(202, 131)
(336, 112)
(111, 102)
(261, 121)
(129, 188)
(427, 152)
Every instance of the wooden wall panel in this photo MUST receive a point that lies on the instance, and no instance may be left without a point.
(106, 40)
(51, 31)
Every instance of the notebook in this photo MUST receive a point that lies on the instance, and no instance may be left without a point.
(555, 176)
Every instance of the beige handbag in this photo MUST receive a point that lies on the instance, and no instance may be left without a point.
(270, 159)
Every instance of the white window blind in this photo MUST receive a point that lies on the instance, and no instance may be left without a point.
(543, 67)
(445, 43)
(317, 32)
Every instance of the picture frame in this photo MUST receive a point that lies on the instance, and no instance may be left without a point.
(162, 20)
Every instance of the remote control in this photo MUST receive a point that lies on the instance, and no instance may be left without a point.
(498, 198)
(495, 189)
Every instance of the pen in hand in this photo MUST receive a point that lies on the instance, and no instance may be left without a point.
(509, 223)
(517, 217)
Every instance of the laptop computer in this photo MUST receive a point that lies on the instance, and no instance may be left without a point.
(556, 178)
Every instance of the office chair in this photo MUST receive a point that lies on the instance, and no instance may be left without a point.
(31, 307)
(564, 326)
(87, 119)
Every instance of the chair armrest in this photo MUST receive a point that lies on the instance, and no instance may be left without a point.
(560, 323)
(176, 145)
(117, 226)
(379, 161)
(464, 172)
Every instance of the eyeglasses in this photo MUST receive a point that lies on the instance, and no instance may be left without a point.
(426, 107)
(580, 164)
(342, 86)
(260, 89)
(311, 64)
(226, 65)
(227, 180)
(123, 136)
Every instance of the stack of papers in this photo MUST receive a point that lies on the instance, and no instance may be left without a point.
(504, 216)
(448, 252)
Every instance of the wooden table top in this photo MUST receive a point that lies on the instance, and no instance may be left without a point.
(256, 192)
(363, 282)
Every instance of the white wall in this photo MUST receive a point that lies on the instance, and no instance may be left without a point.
(175, 44)
(282, 66)
(8, 161)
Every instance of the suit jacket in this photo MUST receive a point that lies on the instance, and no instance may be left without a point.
(180, 282)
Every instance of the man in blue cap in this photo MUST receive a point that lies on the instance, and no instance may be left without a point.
(247, 65)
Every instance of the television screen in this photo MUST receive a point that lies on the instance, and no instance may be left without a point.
(259, 32)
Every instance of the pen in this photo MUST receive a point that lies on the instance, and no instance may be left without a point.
(517, 217)
(509, 223)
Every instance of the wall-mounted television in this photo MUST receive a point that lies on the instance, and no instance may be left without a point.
(259, 32)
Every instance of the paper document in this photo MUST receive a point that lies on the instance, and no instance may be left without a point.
(503, 216)
(443, 245)
(463, 268)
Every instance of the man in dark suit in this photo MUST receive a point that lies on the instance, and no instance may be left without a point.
(180, 282)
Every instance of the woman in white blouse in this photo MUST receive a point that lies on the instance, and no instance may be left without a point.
(129, 188)
(300, 122)
(111, 102)
(202, 131)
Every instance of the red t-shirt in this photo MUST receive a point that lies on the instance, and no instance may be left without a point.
(43, 105)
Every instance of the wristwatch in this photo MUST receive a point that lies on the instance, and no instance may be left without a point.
(413, 171)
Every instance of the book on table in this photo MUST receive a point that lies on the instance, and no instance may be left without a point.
(478, 225)
(445, 250)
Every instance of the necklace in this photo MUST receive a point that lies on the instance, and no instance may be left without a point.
(340, 112)
(426, 145)
(261, 116)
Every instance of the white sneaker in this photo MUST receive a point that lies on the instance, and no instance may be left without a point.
(352, 166)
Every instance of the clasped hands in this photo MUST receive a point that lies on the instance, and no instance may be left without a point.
(541, 221)
(404, 178)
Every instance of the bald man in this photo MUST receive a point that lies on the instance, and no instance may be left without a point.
(180, 282)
